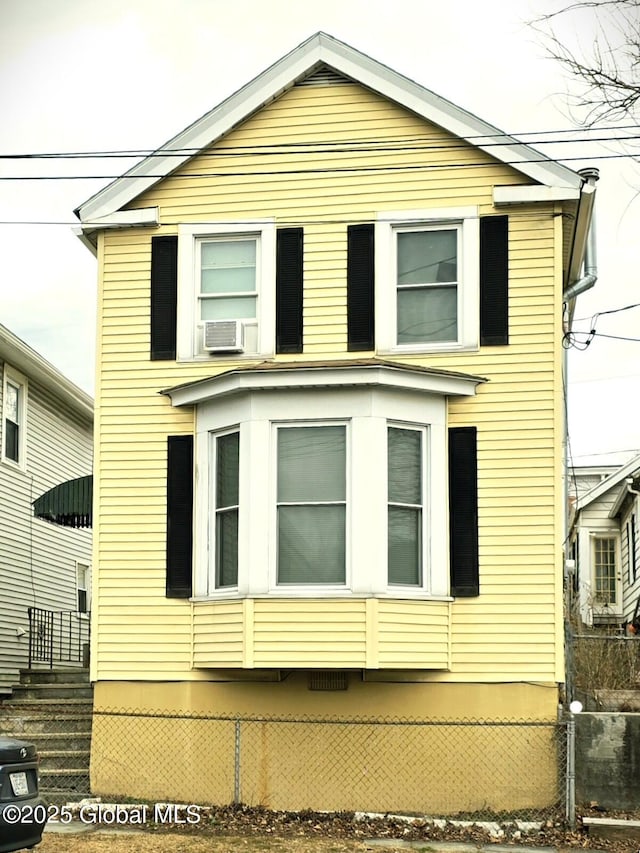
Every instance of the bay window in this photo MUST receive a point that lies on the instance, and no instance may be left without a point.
(323, 481)
(227, 454)
(405, 505)
(311, 504)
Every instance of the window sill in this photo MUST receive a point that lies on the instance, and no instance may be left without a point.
(417, 349)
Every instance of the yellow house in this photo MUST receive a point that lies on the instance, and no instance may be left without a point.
(328, 458)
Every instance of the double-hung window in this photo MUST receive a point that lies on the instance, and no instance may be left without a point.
(405, 454)
(226, 273)
(228, 278)
(427, 280)
(226, 504)
(311, 504)
(427, 284)
(14, 417)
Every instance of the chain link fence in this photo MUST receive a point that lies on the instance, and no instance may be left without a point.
(470, 769)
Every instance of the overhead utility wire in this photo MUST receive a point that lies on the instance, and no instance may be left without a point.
(322, 170)
(359, 144)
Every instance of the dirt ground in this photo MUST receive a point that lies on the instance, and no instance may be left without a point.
(238, 828)
(148, 842)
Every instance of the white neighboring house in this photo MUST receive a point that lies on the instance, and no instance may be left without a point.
(604, 550)
(46, 438)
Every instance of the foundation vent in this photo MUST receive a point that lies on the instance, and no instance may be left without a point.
(329, 680)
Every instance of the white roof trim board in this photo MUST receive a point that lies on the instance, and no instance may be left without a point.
(22, 357)
(630, 469)
(322, 49)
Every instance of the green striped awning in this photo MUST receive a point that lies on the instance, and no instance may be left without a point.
(68, 504)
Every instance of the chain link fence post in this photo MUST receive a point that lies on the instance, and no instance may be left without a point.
(236, 781)
(571, 772)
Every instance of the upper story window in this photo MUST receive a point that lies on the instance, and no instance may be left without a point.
(226, 290)
(427, 280)
(14, 416)
(228, 281)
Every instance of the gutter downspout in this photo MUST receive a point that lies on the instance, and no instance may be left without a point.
(586, 282)
(590, 269)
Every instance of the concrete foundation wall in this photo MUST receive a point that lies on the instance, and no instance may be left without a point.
(608, 759)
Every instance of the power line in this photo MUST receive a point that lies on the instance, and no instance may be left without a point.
(318, 171)
(376, 144)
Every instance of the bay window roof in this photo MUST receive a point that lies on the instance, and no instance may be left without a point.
(354, 372)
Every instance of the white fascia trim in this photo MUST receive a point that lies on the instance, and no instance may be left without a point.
(282, 75)
(358, 376)
(630, 469)
(142, 216)
(528, 194)
(20, 355)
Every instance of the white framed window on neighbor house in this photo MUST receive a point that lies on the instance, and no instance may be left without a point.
(14, 416)
(226, 289)
(605, 555)
(427, 280)
(83, 591)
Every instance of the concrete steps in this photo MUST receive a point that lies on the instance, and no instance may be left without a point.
(53, 709)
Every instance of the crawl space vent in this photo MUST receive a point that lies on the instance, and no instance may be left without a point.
(328, 680)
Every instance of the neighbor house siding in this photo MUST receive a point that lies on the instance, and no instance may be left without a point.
(510, 631)
(38, 559)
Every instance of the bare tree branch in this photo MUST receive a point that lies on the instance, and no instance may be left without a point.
(609, 72)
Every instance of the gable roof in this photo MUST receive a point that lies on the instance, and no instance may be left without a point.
(22, 357)
(630, 469)
(322, 51)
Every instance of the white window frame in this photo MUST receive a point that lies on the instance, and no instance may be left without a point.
(87, 588)
(189, 325)
(388, 224)
(598, 607)
(425, 557)
(311, 589)
(17, 379)
(367, 413)
(213, 471)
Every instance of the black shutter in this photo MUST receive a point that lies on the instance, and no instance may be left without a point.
(463, 512)
(494, 280)
(164, 297)
(179, 515)
(360, 288)
(289, 289)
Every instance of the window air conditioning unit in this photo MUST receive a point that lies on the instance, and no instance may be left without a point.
(224, 336)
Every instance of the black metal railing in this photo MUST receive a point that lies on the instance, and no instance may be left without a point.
(58, 636)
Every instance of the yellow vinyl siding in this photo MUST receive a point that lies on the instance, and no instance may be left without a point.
(321, 633)
(515, 412)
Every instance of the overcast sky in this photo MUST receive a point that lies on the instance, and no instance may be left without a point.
(114, 75)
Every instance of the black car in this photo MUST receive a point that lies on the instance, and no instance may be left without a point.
(23, 813)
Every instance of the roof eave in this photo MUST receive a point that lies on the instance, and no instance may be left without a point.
(25, 359)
